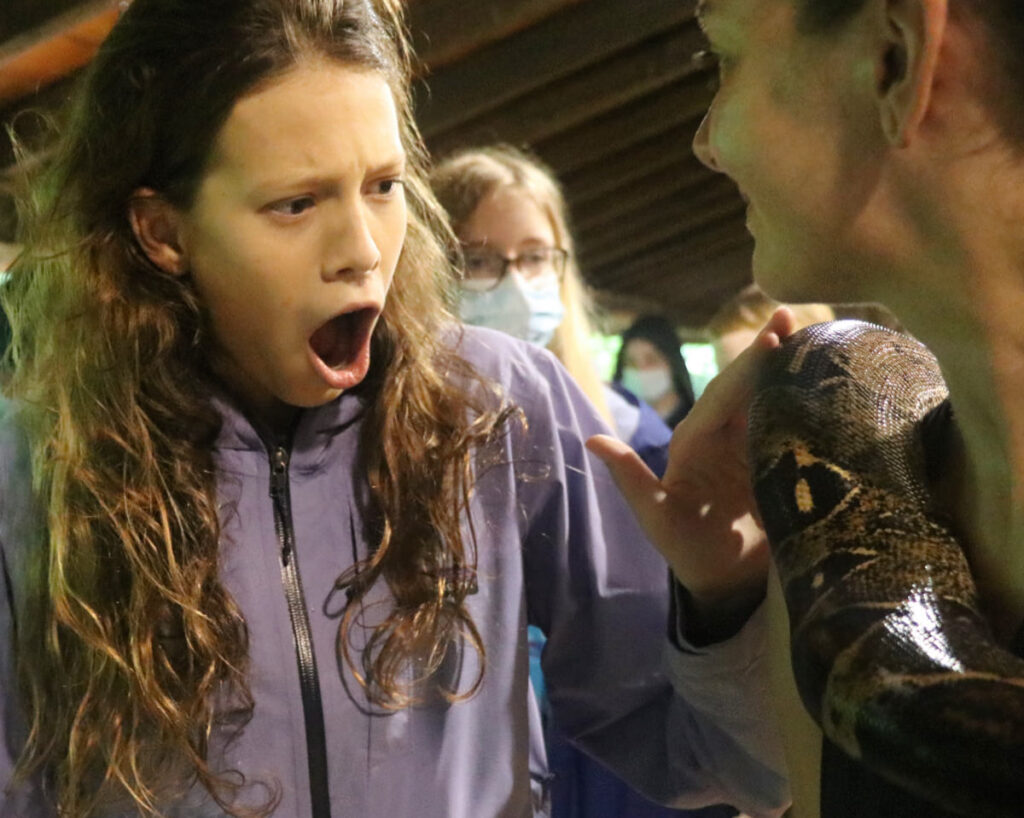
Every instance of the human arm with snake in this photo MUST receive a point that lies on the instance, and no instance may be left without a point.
(891, 652)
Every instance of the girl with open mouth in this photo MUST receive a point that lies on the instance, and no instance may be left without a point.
(272, 523)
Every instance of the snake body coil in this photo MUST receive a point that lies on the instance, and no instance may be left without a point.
(890, 652)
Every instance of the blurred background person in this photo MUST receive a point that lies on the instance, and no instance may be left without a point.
(739, 320)
(650, 365)
(520, 277)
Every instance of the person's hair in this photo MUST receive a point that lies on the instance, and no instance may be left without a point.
(464, 179)
(750, 309)
(659, 332)
(1003, 23)
(130, 650)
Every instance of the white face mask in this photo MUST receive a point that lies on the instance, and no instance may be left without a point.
(647, 384)
(530, 312)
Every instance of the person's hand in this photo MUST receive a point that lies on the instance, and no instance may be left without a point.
(701, 515)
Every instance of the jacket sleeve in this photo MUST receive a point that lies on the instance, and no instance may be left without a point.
(24, 801)
(12, 803)
(687, 727)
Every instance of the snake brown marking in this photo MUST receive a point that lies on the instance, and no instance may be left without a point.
(891, 654)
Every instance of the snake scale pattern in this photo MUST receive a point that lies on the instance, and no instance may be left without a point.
(891, 654)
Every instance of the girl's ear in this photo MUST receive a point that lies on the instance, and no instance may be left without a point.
(157, 227)
(908, 64)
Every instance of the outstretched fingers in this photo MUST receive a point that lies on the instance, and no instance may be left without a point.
(637, 483)
(713, 435)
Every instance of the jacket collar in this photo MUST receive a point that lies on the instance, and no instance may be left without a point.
(315, 430)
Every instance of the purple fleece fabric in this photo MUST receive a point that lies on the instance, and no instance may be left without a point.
(557, 548)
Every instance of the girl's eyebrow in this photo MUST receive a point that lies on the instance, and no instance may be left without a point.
(270, 186)
(397, 162)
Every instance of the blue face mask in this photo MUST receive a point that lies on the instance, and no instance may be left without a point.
(530, 312)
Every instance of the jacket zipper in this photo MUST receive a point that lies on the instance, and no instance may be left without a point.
(312, 705)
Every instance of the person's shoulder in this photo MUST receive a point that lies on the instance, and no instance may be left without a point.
(625, 414)
(509, 361)
(490, 349)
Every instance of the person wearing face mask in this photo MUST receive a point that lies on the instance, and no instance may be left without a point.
(525, 301)
(520, 277)
(651, 366)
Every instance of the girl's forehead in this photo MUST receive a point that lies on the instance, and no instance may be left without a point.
(309, 115)
(642, 347)
(508, 215)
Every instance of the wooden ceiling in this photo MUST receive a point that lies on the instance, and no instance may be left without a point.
(607, 92)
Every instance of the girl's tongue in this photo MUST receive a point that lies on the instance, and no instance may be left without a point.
(333, 342)
(340, 349)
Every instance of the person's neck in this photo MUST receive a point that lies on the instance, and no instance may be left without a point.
(666, 404)
(968, 308)
(273, 420)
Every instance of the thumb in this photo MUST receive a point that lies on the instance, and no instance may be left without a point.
(637, 483)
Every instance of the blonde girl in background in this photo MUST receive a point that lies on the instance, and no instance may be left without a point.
(737, 322)
(521, 275)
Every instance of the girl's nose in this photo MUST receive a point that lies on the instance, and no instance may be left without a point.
(354, 250)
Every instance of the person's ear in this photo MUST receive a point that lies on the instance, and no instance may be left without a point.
(912, 42)
(157, 226)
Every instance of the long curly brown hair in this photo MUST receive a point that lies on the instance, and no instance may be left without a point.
(129, 648)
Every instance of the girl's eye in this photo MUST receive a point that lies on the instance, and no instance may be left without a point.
(386, 187)
(293, 207)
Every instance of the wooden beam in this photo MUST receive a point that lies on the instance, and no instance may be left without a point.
(689, 294)
(445, 31)
(650, 116)
(657, 280)
(619, 170)
(654, 263)
(642, 191)
(583, 95)
(734, 243)
(675, 214)
(568, 41)
(700, 287)
(633, 238)
(61, 46)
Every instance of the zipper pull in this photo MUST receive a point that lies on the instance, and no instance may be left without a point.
(279, 494)
(278, 472)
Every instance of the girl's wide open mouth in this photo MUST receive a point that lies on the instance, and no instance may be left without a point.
(341, 347)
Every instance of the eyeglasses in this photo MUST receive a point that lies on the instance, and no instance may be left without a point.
(484, 269)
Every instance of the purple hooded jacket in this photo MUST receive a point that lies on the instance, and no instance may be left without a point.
(557, 548)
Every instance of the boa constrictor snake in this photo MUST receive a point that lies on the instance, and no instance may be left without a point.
(890, 652)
